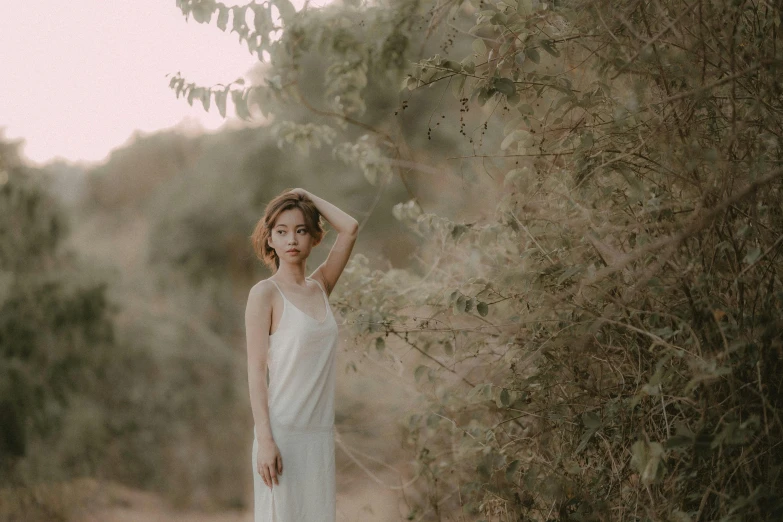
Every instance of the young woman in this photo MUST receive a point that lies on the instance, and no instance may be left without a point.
(292, 333)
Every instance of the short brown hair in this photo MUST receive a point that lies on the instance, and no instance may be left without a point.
(285, 201)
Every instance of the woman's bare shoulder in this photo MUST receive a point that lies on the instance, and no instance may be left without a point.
(262, 291)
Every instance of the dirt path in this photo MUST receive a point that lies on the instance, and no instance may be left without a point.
(116, 503)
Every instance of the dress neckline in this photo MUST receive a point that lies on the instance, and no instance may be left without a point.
(288, 301)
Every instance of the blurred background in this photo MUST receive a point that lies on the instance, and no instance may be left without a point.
(564, 302)
(126, 264)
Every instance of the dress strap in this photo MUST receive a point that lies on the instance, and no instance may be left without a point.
(326, 297)
(278, 288)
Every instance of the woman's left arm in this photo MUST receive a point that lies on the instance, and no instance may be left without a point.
(347, 230)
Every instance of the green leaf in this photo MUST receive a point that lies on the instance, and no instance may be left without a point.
(498, 19)
(752, 256)
(549, 47)
(482, 308)
(458, 230)
(591, 420)
(380, 343)
(512, 470)
(240, 105)
(572, 467)
(679, 442)
(459, 305)
(508, 140)
(222, 21)
(568, 273)
(486, 391)
(240, 14)
(532, 54)
(482, 97)
(191, 95)
(419, 371)
(646, 458)
(679, 516)
(652, 470)
(505, 397)
(220, 101)
(480, 392)
(587, 142)
(505, 47)
(524, 7)
(525, 109)
(457, 86)
(448, 348)
(512, 176)
(639, 455)
(452, 65)
(504, 86)
(513, 137)
(479, 46)
(592, 424)
(584, 440)
(286, 9)
(262, 20)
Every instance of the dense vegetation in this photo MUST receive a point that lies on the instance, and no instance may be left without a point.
(54, 330)
(589, 192)
(601, 340)
(87, 386)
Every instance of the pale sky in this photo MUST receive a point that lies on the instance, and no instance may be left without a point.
(78, 77)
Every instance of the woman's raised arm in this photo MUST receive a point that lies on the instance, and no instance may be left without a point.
(347, 230)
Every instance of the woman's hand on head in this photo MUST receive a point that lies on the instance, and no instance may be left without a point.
(298, 191)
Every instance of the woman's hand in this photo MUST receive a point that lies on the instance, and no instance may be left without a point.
(299, 191)
(269, 462)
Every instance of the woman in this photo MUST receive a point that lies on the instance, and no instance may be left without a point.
(292, 333)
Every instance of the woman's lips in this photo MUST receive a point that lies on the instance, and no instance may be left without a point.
(291, 251)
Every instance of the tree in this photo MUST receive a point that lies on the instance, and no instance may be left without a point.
(40, 300)
(604, 344)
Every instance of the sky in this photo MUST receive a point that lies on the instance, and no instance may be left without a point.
(78, 77)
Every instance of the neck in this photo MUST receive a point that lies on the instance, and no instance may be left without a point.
(292, 275)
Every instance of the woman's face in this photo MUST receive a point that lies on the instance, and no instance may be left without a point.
(290, 237)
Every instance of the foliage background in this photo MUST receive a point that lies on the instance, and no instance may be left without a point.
(569, 253)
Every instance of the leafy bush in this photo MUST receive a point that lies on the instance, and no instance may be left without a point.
(605, 343)
(89, 387)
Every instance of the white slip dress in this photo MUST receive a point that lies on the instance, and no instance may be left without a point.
(301, 363)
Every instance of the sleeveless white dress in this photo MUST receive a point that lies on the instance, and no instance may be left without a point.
(301, 362)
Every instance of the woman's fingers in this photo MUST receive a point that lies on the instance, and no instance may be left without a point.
(260, 469)
(269, 471)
